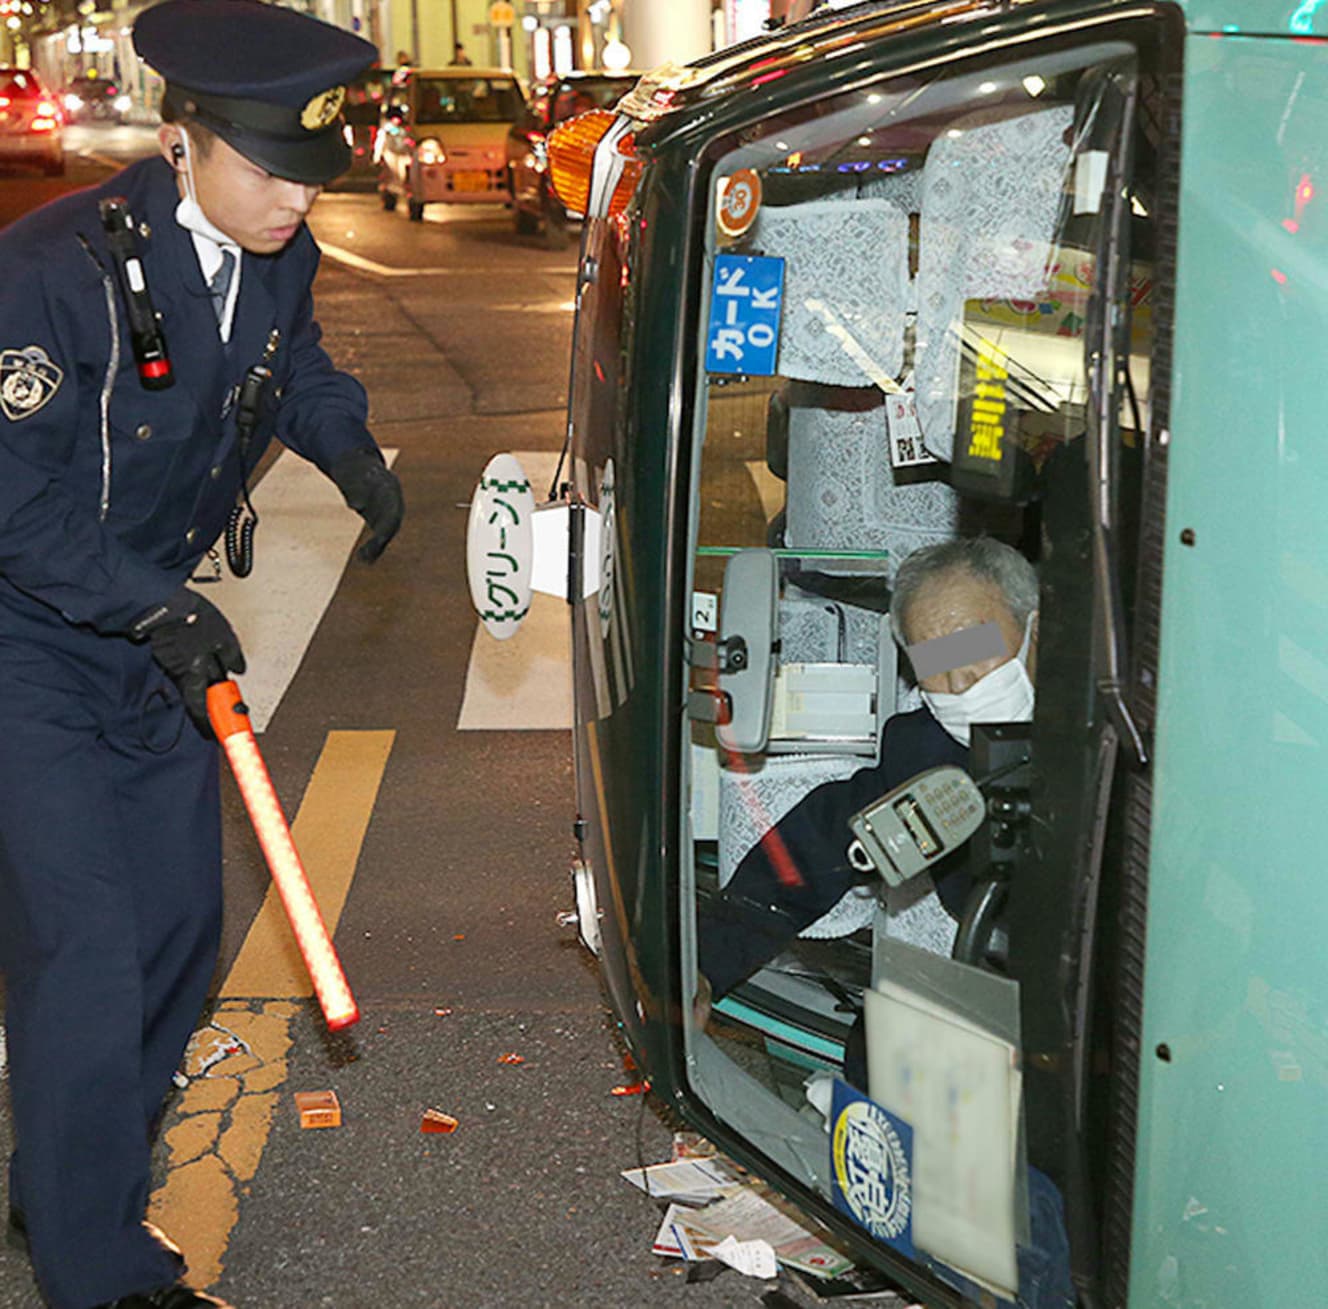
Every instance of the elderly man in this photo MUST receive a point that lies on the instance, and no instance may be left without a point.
(966, 613)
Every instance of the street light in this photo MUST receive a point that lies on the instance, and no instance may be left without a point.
(616, 56)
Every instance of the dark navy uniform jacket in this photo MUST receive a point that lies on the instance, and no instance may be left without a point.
(757, 915)
(109, 493)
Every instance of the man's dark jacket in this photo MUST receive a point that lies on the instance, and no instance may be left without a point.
(759, 913)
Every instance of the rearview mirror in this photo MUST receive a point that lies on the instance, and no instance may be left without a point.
(747, 654)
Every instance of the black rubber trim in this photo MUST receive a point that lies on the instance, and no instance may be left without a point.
(1123, 1113)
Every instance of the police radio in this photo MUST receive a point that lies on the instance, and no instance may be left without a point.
(145, 334)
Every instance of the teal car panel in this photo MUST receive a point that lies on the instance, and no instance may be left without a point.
(1230, 1207)
(1262, 18)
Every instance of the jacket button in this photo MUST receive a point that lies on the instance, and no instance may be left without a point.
(214, 472)
(142, 432)
(191, 536)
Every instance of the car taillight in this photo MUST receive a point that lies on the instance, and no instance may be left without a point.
(44, 124)
(4, 102)
(45, 109)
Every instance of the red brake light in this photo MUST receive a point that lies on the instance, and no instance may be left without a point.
(45, 109)
(4, 102)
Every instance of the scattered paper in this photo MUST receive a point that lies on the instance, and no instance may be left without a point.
(750, 1258)
(747, 1217)
(687, 1181)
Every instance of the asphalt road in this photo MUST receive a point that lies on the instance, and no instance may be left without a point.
(459, 878)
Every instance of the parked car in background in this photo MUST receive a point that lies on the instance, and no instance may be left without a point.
(30, 122)
(442, 135)
(94, 99)
(362, 111)
(553, 100)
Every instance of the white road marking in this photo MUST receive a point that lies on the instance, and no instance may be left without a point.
(770, 488)
(300, 551)
(525, 682)
(561, 305)
(352, 260)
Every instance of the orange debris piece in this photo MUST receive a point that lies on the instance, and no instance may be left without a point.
(435, 1120)
(318, 1108)
(511, 1059)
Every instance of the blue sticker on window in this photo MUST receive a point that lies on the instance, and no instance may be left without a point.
(871, 1158)
(745, 297)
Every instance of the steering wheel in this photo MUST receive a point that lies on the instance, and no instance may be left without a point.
(981, 940)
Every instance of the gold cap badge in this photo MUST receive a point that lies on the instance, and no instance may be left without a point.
(322, 109)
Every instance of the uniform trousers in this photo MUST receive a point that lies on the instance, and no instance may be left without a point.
(110, 920)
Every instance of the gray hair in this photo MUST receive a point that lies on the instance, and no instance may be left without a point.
(982, 557)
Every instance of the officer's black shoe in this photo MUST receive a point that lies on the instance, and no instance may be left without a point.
(167, 1297)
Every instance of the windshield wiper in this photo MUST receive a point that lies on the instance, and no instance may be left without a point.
(1104, 327)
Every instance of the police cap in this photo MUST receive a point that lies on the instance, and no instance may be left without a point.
(267, 80)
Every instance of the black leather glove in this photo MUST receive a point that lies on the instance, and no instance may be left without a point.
(372, 489)
(193, 643)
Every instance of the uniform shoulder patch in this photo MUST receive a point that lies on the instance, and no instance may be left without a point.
(29, 379)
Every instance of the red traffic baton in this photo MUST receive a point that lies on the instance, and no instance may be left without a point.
(230, 721)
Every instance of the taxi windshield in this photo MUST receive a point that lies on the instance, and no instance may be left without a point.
(911, 402)
(466, 100)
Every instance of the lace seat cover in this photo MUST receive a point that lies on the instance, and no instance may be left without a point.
(843, 494)
(991, 194)
(845, 288)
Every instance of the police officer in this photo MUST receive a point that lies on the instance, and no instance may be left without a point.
(112, 487)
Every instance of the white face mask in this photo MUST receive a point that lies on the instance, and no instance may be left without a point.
(1004, 695)
(189, 213)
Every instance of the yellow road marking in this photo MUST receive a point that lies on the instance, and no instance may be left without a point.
(237, 1064)
(328, 832)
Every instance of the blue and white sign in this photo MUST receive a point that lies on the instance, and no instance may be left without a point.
(871, 1165)
(746, 293)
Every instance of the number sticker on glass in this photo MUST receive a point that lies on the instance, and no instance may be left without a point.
(745, 298)
(739, 202)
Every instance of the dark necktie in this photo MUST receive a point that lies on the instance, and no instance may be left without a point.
(220, 285)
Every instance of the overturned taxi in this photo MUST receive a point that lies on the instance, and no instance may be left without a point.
(943, 535)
